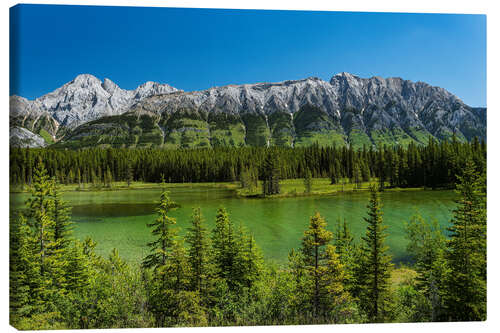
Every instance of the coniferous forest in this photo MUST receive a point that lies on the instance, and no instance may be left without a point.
(435, 165)
(218, 276)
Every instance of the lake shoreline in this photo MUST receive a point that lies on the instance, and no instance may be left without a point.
(334, 190)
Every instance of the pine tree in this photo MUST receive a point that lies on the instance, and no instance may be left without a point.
(40, 211)
(40, 202)
(77, 269)
(167, 285)
(365, 172)
(338, 301)
(198, 254)
(356, 175)
(308, 181)
(374, 270)
(381, 169)
(79, 178)
(465, 296)
(248, 262)
(427, 245)
(271, 175)
(224, 247)
(176, 268)
(61, 215)
(394, 176)
(49, 256)
(333, 176)
(130, 174)
(347, 252)
(25, 280)
(163, 230)
(313, 251)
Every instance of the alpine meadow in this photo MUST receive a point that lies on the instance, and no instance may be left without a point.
(340, 199)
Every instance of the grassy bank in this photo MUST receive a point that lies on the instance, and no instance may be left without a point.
(288, 187)
(116, 186)
(319, 187)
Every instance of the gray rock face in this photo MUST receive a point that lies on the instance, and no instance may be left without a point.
(260, 98)
(346, 104)
(368, 104)
(21, 137)
(31, 115)
(87, 98)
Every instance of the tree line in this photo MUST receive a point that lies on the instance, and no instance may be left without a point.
(218, 277)
(433, 165)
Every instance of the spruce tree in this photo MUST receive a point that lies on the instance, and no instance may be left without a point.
(77, 269)
(198, 253)
(465, 296)
(61, 215)
(164, 232)
(270, 175)
(308, 181)
(373, 272)
(177, 268)
(40, 211)
(427, 245)
(356, 175)
(49, 256)
(25, 280)
(338, 301)
(223, 246)
(248, 262)
(130, 174)
(313, 251)
(347, 251)
(333, 176)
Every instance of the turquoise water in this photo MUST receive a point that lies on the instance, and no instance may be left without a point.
(117, 219)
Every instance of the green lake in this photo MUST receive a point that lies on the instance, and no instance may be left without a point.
(117, 219)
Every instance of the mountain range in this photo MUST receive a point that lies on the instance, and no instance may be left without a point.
(347, 110)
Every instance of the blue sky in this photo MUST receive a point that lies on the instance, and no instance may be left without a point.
(194, 49)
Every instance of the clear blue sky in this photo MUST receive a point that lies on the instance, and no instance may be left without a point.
(194, 49)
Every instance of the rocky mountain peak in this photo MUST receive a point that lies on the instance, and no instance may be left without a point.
(110, 86)
(151, 88)
(85, 81)
(348, 105)
(87, 98)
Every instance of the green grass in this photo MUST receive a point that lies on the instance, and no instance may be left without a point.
(232, 136)
(133, 186)
(187, 133)
(358, 139)
(257, 132)
(320, 186)
(46, 136)
(394, 137)
(324, 138)
(447, 135)
(421, 135)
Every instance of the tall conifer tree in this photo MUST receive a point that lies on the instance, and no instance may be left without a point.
(375, 266)
(198, 253)
(465, 297)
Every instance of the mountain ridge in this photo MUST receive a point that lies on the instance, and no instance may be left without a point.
(346, 110)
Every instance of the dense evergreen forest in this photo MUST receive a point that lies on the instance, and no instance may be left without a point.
(218, 277)
(433, 165)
